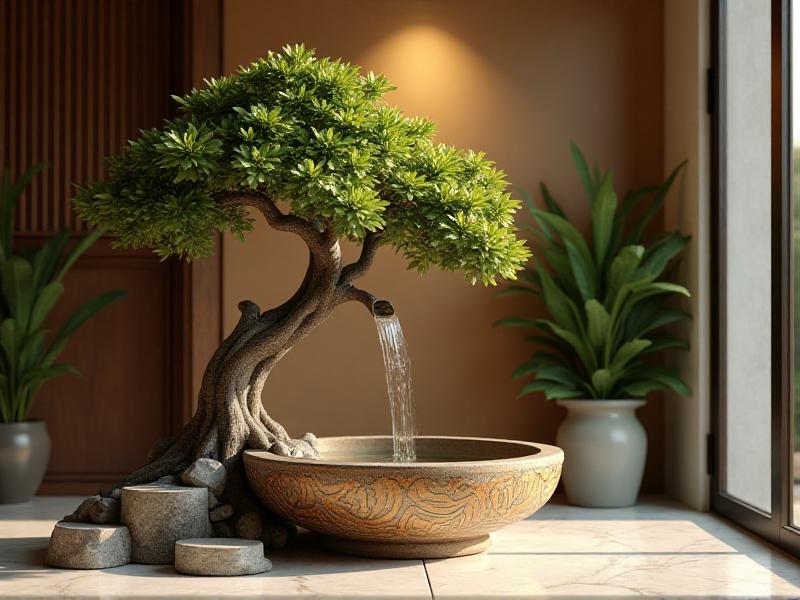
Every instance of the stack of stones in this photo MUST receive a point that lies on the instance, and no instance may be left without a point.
(176, 520)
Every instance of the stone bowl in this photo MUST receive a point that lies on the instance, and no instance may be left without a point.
(445, 505)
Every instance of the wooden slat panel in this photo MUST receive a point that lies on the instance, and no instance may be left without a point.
(78, 79)
(103, 422)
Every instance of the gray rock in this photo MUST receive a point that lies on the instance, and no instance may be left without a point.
(213, 501)
(116, 494)
(220, 557)
(248, 527)
(159, 515)
(281, 448)
(169, 480)
(303, 449)
(88, 546)
(309, 437)
(205, 472)
(221, 513)
(104, 510)
(224, 530)
(274, 536)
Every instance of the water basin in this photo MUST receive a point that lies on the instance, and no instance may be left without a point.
(445, 504)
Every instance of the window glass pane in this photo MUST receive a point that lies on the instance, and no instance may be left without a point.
(795, 109)
(747, 402)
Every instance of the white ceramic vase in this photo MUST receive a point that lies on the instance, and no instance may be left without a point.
(605, 447)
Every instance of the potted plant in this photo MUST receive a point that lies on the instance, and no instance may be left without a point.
(30, 286)
(597, 350)
(311, 145)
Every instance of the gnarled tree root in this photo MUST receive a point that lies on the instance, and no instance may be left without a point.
(230, 416)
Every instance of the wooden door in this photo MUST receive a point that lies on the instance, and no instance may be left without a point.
(78, 78)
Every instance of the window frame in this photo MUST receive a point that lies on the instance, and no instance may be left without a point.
(776, 526)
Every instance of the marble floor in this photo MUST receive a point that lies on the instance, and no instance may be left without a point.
(656, 549)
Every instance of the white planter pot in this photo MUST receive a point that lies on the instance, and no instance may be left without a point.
(605, 447)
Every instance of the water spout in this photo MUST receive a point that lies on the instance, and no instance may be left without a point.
(398, 380)
(382, 308)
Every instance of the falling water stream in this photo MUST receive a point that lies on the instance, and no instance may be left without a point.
(398, 382)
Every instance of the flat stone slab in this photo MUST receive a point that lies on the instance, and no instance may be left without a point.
(220, 557)
(159, 515)
(88, 546)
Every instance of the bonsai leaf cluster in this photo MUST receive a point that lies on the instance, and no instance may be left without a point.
(313, 147)
(607, 297)
(316, 135)
(31, 284)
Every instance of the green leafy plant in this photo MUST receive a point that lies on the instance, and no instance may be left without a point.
(311, 145)
(316, 136)
(30, 286)
(606, 296)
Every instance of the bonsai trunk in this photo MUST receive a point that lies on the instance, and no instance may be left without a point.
(230, 416)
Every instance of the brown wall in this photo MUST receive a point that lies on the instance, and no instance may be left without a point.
(77, 81)
(515, 78)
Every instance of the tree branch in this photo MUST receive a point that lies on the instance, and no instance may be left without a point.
(350, 293)
(274, 216)
(368, 250)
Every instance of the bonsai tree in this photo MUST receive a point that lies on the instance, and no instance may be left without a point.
(606, 297)
(310, 145)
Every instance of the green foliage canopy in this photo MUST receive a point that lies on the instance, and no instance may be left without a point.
(606, 297)
(316, 135)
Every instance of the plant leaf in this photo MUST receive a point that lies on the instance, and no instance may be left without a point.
(583, 351)
(82, 314)
(661, 375)
(17, 286)
(515, 322)
(554, 342)
(31, 350)
(628, 352)
(9, 341)
(599, 323)
(655, 206)
(639, 389)
(558, 374)
(44, 304)
(582, 273)
(558, 304)
(602, 381)
(552, 391)
(665, 342)
(603, 209)
(660, 319)
(583, 171)
(567, 232)
(620, 271)
(36, 377)
(46, 259)
(516, 290)
(659, 255)
(524, 369)
(11, 194)
(550, 202)
(82, 246)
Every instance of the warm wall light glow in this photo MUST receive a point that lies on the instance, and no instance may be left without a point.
(441, 77)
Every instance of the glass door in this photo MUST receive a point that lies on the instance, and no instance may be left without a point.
(747, 246)
(793, 410)
(757, 236)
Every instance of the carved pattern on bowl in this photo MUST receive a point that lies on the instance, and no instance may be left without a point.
(418, 507)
